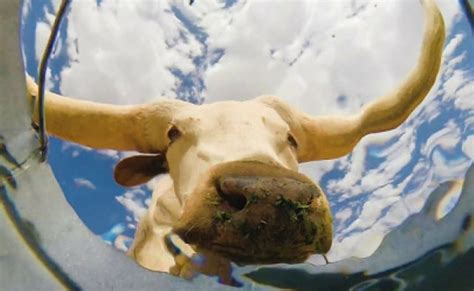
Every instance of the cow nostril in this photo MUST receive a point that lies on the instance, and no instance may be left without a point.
(232, 198)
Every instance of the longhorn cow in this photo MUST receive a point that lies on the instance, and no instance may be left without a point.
(233, 190)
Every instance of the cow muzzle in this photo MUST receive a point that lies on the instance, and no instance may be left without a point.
(255, 213)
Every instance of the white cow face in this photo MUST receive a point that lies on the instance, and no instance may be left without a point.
(234, 168)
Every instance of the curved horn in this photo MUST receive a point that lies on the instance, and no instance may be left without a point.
(134, 127)
(329, 137)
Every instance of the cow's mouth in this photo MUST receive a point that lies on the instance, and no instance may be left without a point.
(254, 213)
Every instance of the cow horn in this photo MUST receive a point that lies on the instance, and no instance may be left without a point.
(329, 137)
(121, 127)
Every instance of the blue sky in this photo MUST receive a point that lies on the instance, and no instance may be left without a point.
(237, 50)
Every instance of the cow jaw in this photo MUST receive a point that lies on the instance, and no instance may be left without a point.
(252, 212)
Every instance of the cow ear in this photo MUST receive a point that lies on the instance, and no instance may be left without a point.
(139, 169)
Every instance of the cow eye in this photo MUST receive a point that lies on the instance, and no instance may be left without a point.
(292, 141)
(173, 133)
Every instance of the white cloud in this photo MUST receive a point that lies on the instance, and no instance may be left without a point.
(77, 149)
(316, 170)
(110, 153)
(121, 242)
(133, 203)
(468, 146)
(126, 60)
(67, 146)
(447, 138)
(343, 215)
(452, 45)
(25, 9)
(82, 182)
(42, 33)
(464, 98)
(447, 168)
(453, 84)
(359, 181)
(361, 244)
(371, 212)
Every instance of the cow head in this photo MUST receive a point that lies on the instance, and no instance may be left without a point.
(235, 171)
(234, 165)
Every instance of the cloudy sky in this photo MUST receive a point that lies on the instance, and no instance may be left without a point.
(321, 56)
